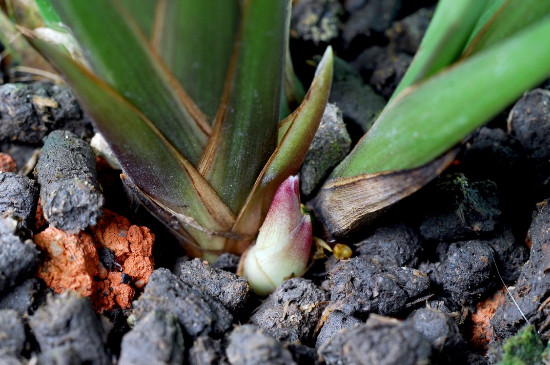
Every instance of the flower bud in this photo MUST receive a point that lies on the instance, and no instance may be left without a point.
(283, 244)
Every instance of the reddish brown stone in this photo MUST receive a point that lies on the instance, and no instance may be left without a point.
(482, 333)
(141, 241)
(139, 268)
(111, 232)
(71, 261)
(39, 220)
(7, 163)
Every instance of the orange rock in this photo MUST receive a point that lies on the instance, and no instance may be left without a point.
(141, 240)
(7, 163)
(112, 292)
(139, 268)
(111, 232)
(71, 261)
(39, 220)
(482, 332)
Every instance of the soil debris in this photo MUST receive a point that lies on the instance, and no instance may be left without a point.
(198, 314)
(7, 163)
(156, 339)
(249, 345)
(64, 322)
(360, 286)
(231, 290)
(460, 209)
(292, 311)
(28, 112)
(227, 262)
(69, 191)
(481, 332)
(17, 258)
(18, 197)
(380, 341)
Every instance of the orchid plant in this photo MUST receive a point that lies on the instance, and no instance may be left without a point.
(188, 94)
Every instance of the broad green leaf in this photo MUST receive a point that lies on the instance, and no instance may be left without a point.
(146, 157)
(427, 120)
(511, 17)
(195, 39)
(445, 38)
(143, 13)
(291, 151)
(119, 55)
(245, 131)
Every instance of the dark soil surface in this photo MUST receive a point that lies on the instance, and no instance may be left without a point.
(443, 277)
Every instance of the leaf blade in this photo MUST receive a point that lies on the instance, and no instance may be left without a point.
(118, 53)
(247, 120)
(199, 63)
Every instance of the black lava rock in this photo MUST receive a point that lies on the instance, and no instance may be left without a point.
(380, 341)
(397, 245)
(227, 262)
(529, 123)
(69, 320)
(23, 298)
(107, 258)
(439, 328)
(17, 258)
(62, 355)
(359, 103)
(207, 351)
(69, 191)
(228, 288)
(334, 323)
(368, 20)
(460, 209)
(466, 273)
(18, 197)
(292, 311)
(406, 34)
(360, 286)
(316, 21)
(383, 68)
(533, 286)
(156, 339)
(249, 345)
(198, 314)
(12, 334)
(28, 112)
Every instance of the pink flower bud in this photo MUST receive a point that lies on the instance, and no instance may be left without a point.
(283, 244)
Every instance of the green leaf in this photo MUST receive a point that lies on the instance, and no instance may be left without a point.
(445, 38)
(160, 172)
(511, 17)
(291, 151)
(119, 55)
(143, 13)
(245, 133)
(195, 39)
(427, 120)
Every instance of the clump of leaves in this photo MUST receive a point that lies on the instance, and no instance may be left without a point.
(188, 95)
(476, 57)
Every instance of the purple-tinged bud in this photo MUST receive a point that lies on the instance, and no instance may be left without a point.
(283, 244)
